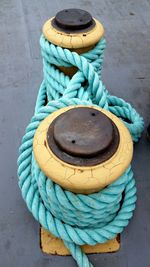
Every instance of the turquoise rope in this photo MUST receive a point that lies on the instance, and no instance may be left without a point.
(75, 218)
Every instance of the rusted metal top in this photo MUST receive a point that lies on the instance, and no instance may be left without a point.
(83, 136)
(73, 20)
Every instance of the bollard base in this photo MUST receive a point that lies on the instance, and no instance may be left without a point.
(54, 246)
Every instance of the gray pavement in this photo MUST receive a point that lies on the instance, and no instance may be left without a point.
(126, 73)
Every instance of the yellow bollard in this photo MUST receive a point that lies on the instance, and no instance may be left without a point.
(81, 35)
(96, 163)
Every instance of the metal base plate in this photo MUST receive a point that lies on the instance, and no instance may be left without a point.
(54, 246)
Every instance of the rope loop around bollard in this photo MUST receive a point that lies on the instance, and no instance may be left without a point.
(85, 83)
(75, 218)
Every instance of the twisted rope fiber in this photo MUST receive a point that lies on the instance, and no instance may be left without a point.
(75, 218)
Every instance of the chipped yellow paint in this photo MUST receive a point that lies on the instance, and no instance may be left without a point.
(80, 179)
(73, 40)
(52, 245)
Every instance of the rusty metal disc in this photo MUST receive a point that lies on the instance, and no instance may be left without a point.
(83, 136)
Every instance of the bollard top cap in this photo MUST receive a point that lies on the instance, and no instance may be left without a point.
(83, 137)
(73, 29)
(73, 20)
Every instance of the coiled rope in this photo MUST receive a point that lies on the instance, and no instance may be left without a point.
(75, 218)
